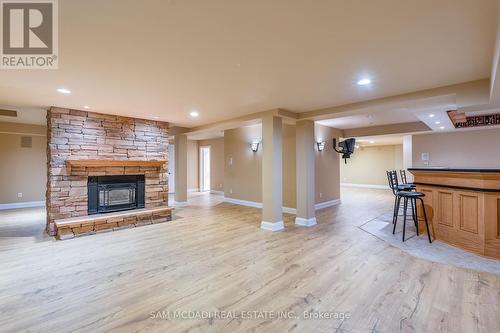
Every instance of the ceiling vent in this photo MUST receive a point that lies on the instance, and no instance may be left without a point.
(8, 113)
(26, 142)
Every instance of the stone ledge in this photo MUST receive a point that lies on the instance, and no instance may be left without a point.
(91, 224)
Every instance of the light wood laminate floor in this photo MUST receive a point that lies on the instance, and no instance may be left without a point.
(214, 257)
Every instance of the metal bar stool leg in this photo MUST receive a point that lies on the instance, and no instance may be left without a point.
(412, 210)
(395, 212)
(396, 217)
(405, 207)
(415, 215)
(425, 219)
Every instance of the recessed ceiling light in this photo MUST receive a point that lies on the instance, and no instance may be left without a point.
(364, 82)
(438, 122)
(156, 117)
(442, 127)
(86, 107)
(431, 115)
(64, 91)
(194, 114)
(371, 141)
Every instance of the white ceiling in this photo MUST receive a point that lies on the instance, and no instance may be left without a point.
(227, 58)
(394, 116)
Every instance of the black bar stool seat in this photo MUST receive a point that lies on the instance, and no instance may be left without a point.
(411, 194)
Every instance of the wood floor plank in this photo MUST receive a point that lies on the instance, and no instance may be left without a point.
(214, 257)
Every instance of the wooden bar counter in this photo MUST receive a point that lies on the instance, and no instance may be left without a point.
(463, 207)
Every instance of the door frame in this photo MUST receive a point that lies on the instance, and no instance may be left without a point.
(201, 168)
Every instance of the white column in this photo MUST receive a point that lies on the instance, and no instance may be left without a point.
(408, 156)
(272, 197)
(305, 168)
(180, 198)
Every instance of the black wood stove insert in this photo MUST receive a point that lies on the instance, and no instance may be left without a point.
(115, 193)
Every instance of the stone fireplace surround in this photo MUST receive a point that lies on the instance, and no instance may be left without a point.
(126, 146)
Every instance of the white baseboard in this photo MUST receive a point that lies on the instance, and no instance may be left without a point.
(189, 190)
(243, 202)
(305, 222)
(28, 204)
(180, 204)
(380, 187)
(276, 226)
(325, 204)
(217, 192)
(285, 209)
(255, 204)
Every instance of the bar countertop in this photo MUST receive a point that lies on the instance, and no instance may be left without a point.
(444, 169)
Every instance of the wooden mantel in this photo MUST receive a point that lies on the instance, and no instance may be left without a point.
(114, 163)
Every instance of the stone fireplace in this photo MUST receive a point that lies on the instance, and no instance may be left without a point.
(105, 172)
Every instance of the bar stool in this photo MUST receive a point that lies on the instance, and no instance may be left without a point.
(392, 178)
(411, 196)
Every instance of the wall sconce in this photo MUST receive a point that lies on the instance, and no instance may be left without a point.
(321, 145)
(255, 146)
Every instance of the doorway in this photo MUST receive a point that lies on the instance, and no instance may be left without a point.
(204, 168)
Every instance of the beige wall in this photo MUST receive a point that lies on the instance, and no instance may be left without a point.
(243, 179)
(460, 149)
(327, 165)
(216, 162)
(22, 170)
(192, 165)
(242, 167)
(368, 165)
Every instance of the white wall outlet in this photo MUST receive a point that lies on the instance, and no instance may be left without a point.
(230, 191)
(424, 156)
(19, 195)
(321, 194)
(220, 185)
(230, 161)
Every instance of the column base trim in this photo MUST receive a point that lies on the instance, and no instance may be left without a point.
(276, 226)
(180, 204)
(305, 222)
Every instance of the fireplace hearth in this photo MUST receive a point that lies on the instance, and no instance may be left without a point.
(115, 193)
